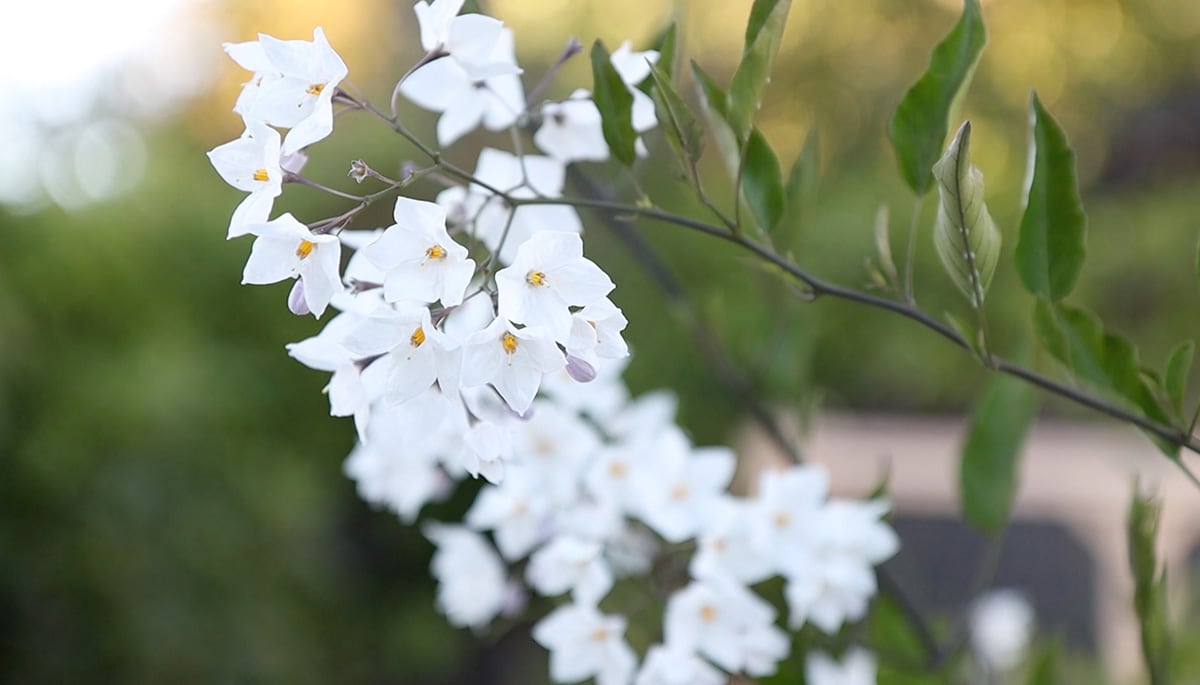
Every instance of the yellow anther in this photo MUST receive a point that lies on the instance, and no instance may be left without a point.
(782, 520)
(618, 469)
(436, 252)
(315, 89)
(535, 278)
(261, 175)
(417, 338)
(679, 492)
(600, 634)
(509, 341)
(305, 249)
(708, 613)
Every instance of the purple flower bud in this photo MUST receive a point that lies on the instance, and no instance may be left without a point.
(580, 370)
(296, 302)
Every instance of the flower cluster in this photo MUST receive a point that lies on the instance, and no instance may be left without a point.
(474, 338)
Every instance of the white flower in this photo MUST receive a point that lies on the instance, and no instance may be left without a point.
(251, 57)
(1002, 623)
(348, 393)
(421, 262)
(301, 97)
(857, 668)
(472, 78)
(633, 68)
(571, 130)
(469, 40)
(596, 332)
(512, 360)
(728, 624)
(787, 506)
(285, 248)
(667, 665)
(827, 589)
(419, 351)
(678, 489)
(486, 216)
(550, 275)
(727, 547)
(583, 643)
(251, 164)
(568, 563)
(516, 513)
(398, 466)
(471, 583)
(554, 445)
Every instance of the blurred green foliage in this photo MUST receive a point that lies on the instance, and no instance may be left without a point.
(171, 502)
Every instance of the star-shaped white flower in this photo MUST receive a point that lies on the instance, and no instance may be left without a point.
(728, 624)
(550, 275)
(856, 668)
(513, 360)
(469, 39)
(420, 354)
(301, 98)
(571, 130)
(584, 643)
(421, 262)
(285, 248)
(471, 583)
(467, 100)
(251, 164)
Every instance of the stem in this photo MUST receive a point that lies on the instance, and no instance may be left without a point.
(910, 251)
(819, 287)
(432, 55)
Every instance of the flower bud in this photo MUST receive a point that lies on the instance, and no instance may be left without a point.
(580, 370)
(359, 171)
(296, 302)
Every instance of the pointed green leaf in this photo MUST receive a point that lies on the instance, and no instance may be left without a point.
(1050, 249)
(919, 126)
(615, 103)
(762, 181)
(1076, 338)
(799, 193)
(1179, 364)
(966, 238)
(805, 172)
(683, 131)
(990, 457)
(764, 32)
(715, 108)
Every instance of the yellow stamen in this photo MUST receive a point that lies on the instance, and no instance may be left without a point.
(509, 341)
(417, 338)
(315, 89)
(680, 491)
(305, 249)
(261, 175)
(535, 278)
(708, 613)
(600, 635)
(782, 520)
(618, 469)
(436, 252)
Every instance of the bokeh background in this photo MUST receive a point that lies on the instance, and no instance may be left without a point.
(172, 507)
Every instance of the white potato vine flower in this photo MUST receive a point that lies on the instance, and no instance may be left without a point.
(251, 164)
(285, 248)
(420, 261)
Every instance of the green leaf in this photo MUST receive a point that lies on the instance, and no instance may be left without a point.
(1150, 591)
(615, 103)
(667, 46)
(990, 456)
(1076, 338)
(1050, 249)
(715, 108)
(920, 124)
(1178, 366)
(966, 238)
(762, 181)
(764, 32)
(966, 330)
(804, 175)
(684, 132)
